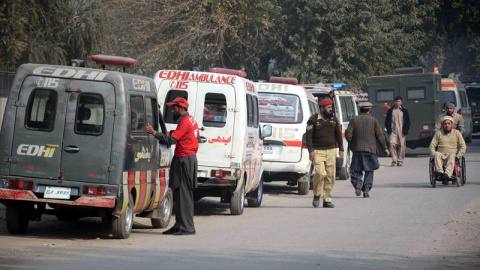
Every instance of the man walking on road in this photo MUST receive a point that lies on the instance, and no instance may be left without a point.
(323, 133)
(397, 124)
(362, 135)
(183, 169)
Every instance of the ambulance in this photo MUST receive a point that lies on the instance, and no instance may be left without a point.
(225, 105)
(73, 144)
(285, 155)
(344, 108)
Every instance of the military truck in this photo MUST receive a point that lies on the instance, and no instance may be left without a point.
(421, 93)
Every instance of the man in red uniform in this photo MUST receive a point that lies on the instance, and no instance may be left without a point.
(183, 170)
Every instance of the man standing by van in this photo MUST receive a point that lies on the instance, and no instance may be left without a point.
(458, 122)
(183, 170)
(323, 133)
(362, 135)
(397, 124)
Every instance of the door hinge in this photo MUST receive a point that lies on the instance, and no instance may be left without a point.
(18, 103)
(113, 112)
(11, 159)
(108, 168)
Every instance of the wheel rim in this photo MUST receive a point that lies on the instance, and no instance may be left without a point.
(128, 218)
(166, 208)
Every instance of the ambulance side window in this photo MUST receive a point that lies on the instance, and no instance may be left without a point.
(215, 110)
(90, 114)
(255, 111)
(249, 111)
(137, 114)
(41, 110)
(151, 112)
(167, 110)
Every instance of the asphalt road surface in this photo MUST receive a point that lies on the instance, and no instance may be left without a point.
(406, 224)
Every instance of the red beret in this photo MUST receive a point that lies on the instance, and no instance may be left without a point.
(325, 102)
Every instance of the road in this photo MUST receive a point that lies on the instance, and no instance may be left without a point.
(406, 224)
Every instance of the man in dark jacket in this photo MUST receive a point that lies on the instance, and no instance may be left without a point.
(183, 170)
(397, 124)
(362, 135)
(322, 136)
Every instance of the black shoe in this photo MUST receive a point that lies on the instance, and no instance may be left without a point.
(393, 164)
(185, 232)
(358, 188)
(328, 205)
(316, 201)
(172, 230)
(399, 164)
(365, 195)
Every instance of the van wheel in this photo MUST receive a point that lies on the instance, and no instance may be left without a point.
(256, 197)
(165, 211)
(122, 225)
(237, 202)
(303, 188)
(17, 219)
(344, 172)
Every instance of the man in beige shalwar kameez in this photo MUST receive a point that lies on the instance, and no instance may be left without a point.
(397, 124)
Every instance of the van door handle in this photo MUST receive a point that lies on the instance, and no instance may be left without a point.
(202, 139)
(71, 149)
(202, 128)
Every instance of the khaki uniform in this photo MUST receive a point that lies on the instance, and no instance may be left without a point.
(444, 148)
(397, 138)
(325, 170)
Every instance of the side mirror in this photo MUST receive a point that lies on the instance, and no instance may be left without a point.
(266, 131)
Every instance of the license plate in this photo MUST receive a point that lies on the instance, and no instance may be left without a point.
(57, 193)
(267, 149)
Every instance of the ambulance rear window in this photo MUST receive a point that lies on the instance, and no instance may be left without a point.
(279, 108)
(215, 110)
(90, 114)
(41, 110)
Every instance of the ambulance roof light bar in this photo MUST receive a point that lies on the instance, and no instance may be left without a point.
(337, 86)
(227, 71)
(283, 80)
(113, 60)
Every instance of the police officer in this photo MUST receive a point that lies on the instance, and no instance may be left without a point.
(323, 133)
(362, 135)
(183, 170)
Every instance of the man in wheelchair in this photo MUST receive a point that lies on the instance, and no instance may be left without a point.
(446, 147)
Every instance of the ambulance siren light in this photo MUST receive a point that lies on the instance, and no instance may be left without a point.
(227, 71)
(292, 81)
(113, 60)
(337, 85)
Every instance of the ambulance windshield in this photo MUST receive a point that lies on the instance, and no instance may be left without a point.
(279, 108)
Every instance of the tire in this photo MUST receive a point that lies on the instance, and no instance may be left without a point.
(17, 219)
(256, 197)
(433, 182)
(237, 202)
(344, 172)
(122, 225)
(165, 211)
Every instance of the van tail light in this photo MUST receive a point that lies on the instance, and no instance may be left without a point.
(459, 111)
(20, 184)
(220, 173)
(91, 190)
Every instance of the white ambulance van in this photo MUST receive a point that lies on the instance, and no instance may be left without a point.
(345, 108)
(286, 107)
(453, 90)
(225, 105)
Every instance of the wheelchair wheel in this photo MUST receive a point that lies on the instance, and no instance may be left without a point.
(463, 171)
(432, 173)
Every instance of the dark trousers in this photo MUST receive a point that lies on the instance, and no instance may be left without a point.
(360, 164)
(183, 176)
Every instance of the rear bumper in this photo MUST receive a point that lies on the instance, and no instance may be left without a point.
(83, 201)
(302, 167)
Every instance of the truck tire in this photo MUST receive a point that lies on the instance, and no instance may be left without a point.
(255, 198)
(165, 211)
(237, 202)
(17, 219)
(122, 225)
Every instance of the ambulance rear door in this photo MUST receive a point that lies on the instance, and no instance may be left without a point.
(285, 114)
(215, 114)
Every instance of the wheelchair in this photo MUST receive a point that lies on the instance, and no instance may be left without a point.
(459, 173)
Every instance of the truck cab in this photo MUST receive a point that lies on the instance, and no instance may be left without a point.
(73, 144)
